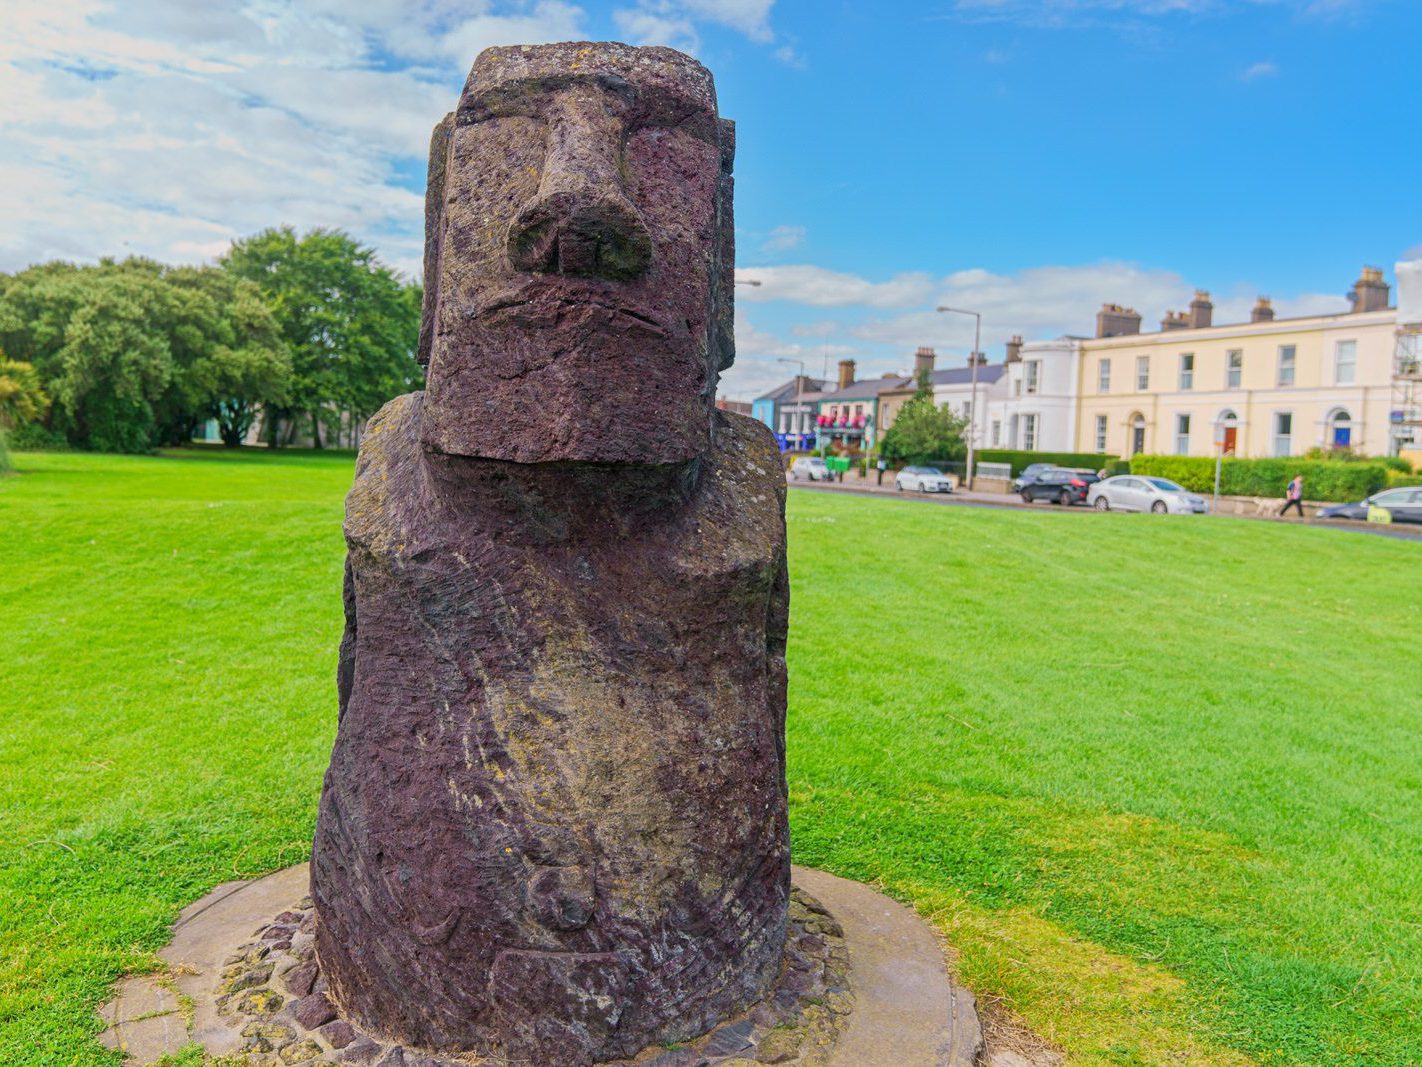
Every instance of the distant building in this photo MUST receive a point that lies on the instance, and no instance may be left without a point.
(790, 410)
(1267, 387)
(849, 413)
(740, 407)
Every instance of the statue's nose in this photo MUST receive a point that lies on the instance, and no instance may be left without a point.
(581, 220)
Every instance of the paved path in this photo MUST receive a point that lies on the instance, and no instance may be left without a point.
(972, 499)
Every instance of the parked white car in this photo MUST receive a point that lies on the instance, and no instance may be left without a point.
(924, 479)
(1133, 492)
(811, 467)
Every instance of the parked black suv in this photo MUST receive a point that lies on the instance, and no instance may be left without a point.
(1061, 486)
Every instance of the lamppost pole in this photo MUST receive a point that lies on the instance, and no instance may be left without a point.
(799, 387)
(973, 401)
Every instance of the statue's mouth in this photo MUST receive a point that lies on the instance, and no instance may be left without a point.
(540, 308)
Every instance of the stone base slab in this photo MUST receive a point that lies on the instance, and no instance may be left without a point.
(898, 1007)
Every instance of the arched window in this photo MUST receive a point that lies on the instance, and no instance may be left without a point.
(1340, 429)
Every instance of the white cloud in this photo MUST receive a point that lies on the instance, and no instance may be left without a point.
(1263, 69)
(783, 239)
(758, 369)
(167, 129)
(819, 287)
(674, 22)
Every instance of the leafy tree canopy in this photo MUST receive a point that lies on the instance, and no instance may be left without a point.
(350, 324)
(135, 353)
(923, 432)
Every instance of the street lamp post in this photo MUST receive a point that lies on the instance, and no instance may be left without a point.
(799, 386)
(973, 401)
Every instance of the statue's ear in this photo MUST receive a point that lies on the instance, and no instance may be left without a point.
(434, 234)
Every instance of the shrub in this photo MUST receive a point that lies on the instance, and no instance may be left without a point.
(1267, 477)
(1397, 478)
(1019, 458)
(33, 437)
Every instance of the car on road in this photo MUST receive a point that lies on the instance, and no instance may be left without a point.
(811, 467)
(1402, 505)
(1029, 474)
(924, 479)
(1135, 492)
(1060, 485)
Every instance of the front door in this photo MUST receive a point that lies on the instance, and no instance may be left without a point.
(1230, 434)
(1137, 439)
(1342, 436)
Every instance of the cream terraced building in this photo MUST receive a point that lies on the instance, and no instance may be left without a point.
(1262, 388)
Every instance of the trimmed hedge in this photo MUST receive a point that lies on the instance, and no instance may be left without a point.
(1019, 459)
(1267, 477)
(1397, 478)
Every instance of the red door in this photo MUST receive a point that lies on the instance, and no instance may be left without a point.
(1229, 436)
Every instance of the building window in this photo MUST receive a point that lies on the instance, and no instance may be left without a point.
(1029, 432)
(1283, 432)
(1287, 356)
(996, 432)
(1340, 429)
(1182, 435)
(1103, 376)
(1101, 433)
(1187, 370)
(1345, 362)
(1032, 369)
(1234, 363)
(1142, 373)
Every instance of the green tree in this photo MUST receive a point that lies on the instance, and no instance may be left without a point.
(350, 324)
(923, 432)
(135, 353)
(22, 397)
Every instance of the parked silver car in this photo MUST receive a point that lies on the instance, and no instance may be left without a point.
(811, 467)
(1134, 492)
(924, 479)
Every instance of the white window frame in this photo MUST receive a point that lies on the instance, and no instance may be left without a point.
(1291, 365)
(1283, 442)
(1143, 374)
(1029, 433)
(996, 433)
(1234, 375)
(1182, 434)
(1103, 376)
(1103, 427)
(1351, 347)
(1032, 373)
(1187, 371)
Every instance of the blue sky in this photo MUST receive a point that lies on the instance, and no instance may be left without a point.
(1026, 158)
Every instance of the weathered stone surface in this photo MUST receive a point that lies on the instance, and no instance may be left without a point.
(554, 823)
(338, 1034)
(298, 980)
(313, 1011)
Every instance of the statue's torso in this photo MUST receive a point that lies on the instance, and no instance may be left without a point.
(544, 697)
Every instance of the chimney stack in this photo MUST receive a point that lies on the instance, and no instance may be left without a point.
(1202, 312)
(1263, 310)
(1014, 350)
(1115, 321)
(1370, 292)
(846, 373)
(1174, 320)
(805, 384)
(923, 361)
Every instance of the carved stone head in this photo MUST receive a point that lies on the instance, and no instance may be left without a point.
(578, 258)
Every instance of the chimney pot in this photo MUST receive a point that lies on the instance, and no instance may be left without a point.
(923, 361)
(1370, 292)
(1202, 311)
(1113, 320)
(1263, 310)
(846, 373)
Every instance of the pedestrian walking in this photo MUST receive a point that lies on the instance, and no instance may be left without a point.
(1293, 497)
(881, 465)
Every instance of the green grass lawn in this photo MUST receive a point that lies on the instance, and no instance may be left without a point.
(1158, 780)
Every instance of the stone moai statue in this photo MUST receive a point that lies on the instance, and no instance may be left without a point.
(553, 830)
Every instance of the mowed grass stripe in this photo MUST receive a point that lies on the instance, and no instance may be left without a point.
(1157, 779)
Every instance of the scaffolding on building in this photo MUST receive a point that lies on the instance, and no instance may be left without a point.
(1405, 410)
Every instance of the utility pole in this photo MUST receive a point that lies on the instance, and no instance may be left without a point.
(973, 401)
